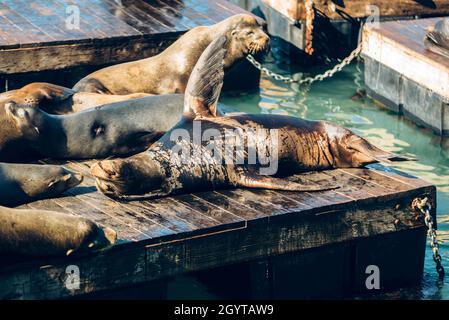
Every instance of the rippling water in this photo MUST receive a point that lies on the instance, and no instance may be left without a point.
(332, 100)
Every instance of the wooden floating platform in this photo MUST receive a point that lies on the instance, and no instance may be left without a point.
(337, 23)
(316, 244)
(39, 35)
(404, 75)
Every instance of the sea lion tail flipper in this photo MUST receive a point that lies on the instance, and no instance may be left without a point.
(267, 182)
(206, 80)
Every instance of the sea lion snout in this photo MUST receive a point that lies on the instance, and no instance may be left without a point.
(26, 118)
(351, 150)
(111, 235)
(66, 181)
(121, 177)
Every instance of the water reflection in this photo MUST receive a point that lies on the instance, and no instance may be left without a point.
(331, 100)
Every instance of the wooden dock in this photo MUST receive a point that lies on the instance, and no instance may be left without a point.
(316, 244)
(43, 35)
(404, 75)
(336, 24)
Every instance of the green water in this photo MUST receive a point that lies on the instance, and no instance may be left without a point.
(331, 100)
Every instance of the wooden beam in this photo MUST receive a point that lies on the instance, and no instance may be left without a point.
(288, 8)
(294, 9)
(43, 58)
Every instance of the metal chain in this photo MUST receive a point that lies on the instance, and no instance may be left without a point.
(310, 16)
(424, 207)
(309, 80)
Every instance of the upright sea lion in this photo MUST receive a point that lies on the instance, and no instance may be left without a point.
(22, 183)
(48, 233)
(55, 99)
(169, 71)
(437, 37)
(196, 162)
(111, 130)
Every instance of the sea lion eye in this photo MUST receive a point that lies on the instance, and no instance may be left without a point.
(249, 33)
(99, 130)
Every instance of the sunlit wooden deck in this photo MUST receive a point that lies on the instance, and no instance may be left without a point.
(42, 35)
(344, 230)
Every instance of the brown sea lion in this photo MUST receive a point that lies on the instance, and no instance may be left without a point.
(192, 156)
(22, 183)
(169, 71)
(55, 99)
(437, 37)
(48, 233)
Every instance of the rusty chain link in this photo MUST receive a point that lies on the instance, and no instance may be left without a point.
(424, 207)
(310, 16)
(309, 80)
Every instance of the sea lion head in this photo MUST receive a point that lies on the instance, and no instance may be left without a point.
(247, 35)
(108, 134)
(439, 33)
(50, 181)
(27, 119)
(93, 237)
(133, 176)
(350, 150)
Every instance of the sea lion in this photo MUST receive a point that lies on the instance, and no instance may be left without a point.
(111, 130)
(22, 183)
(437, 37)
(55, 99)
(169, 71)
(196, 162)
(48, 233)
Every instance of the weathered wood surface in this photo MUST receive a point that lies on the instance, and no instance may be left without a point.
(404, 74)
(192, 232)
(294, 9)
(39, 35)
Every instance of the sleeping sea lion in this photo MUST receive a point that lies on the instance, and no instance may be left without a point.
(169, 71)
(48, 233)
(55, 99)
(437, 37)
(192, 156)
(22, 183)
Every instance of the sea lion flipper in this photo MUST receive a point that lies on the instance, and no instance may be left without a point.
(249, 180)
(205, 82)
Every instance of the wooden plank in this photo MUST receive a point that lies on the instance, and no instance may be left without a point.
(227, 7)
(225, 203)
(41, 17)
(166, 17)
(15, 29)
(288, 8)
(358, 8)
(253, 201)
(124, 15)
(160, 26)
(199, 14)
(210, 210)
